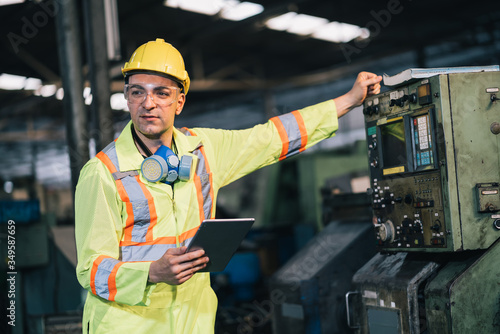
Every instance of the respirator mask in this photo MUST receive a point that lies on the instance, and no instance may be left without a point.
(165, 166)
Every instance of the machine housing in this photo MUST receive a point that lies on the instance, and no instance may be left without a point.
(433, 148)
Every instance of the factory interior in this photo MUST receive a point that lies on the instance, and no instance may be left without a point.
(355, 235)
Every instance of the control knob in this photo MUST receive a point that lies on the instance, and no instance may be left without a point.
(386, 231)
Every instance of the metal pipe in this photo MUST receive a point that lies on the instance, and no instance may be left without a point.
(101, 119)
(68, 40)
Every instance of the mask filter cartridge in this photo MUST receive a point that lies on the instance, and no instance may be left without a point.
(165, 166)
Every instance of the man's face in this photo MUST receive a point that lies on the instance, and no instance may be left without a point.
(153, 117)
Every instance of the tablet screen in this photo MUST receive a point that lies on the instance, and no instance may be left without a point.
(220, 238)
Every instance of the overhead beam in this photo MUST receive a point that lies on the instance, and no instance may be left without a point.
(46, 73)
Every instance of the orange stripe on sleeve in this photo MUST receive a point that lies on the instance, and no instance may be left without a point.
(93, 272)
(302, 128)
(112, 281)
(283, 136)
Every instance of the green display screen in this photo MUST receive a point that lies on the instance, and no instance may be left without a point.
(393, 144)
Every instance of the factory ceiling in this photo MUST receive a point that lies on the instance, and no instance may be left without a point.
(223, 55)
(230, 58)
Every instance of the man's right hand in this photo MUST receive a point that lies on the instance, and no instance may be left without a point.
(176, 266)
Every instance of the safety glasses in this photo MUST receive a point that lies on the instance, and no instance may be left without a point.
(136, 93)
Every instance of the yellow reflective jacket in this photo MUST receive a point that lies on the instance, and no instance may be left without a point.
(124, 222)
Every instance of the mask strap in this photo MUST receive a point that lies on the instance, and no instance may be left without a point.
(140, 142)
(174, 147)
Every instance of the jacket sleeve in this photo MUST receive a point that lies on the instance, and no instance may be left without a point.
(98, 229)
(237, 153)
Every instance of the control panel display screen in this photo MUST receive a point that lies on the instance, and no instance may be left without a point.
(422, 140)
(393, 143)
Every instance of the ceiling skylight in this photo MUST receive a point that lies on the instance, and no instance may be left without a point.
(317, 27)
(338, 32)
(294, 23)
(207, 7)
(282, 22)
(118, 102)
(10, 2)
(17, 82)
(233, 10)
(241, 10)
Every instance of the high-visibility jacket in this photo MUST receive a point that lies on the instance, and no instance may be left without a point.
(124, 222)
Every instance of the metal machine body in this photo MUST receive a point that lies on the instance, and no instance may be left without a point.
(414, 293)
(389, 287)
(434, 150)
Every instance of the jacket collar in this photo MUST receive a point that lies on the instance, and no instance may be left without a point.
(129, 157)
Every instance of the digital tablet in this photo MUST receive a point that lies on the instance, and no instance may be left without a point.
(220, 238)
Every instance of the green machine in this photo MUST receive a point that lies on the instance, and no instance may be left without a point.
(434, 154)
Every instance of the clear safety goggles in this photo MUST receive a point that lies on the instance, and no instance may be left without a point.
(161, 95)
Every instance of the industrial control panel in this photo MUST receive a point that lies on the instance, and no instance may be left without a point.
(434, 155)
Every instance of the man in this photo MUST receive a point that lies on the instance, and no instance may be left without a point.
(131, 233)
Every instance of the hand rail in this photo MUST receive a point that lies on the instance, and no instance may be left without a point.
(348, 310)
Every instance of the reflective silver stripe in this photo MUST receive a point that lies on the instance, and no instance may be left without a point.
(201, 171)
(121, 175)
(110, 151)
(185, 131)
(293, 132)
(102, 275)
(145, 252)
(140, 207)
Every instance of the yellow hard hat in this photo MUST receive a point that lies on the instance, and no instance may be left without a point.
(161, 57)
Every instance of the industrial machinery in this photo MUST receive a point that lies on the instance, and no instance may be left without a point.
(311, 286)
(434, 162)
(434, 154)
